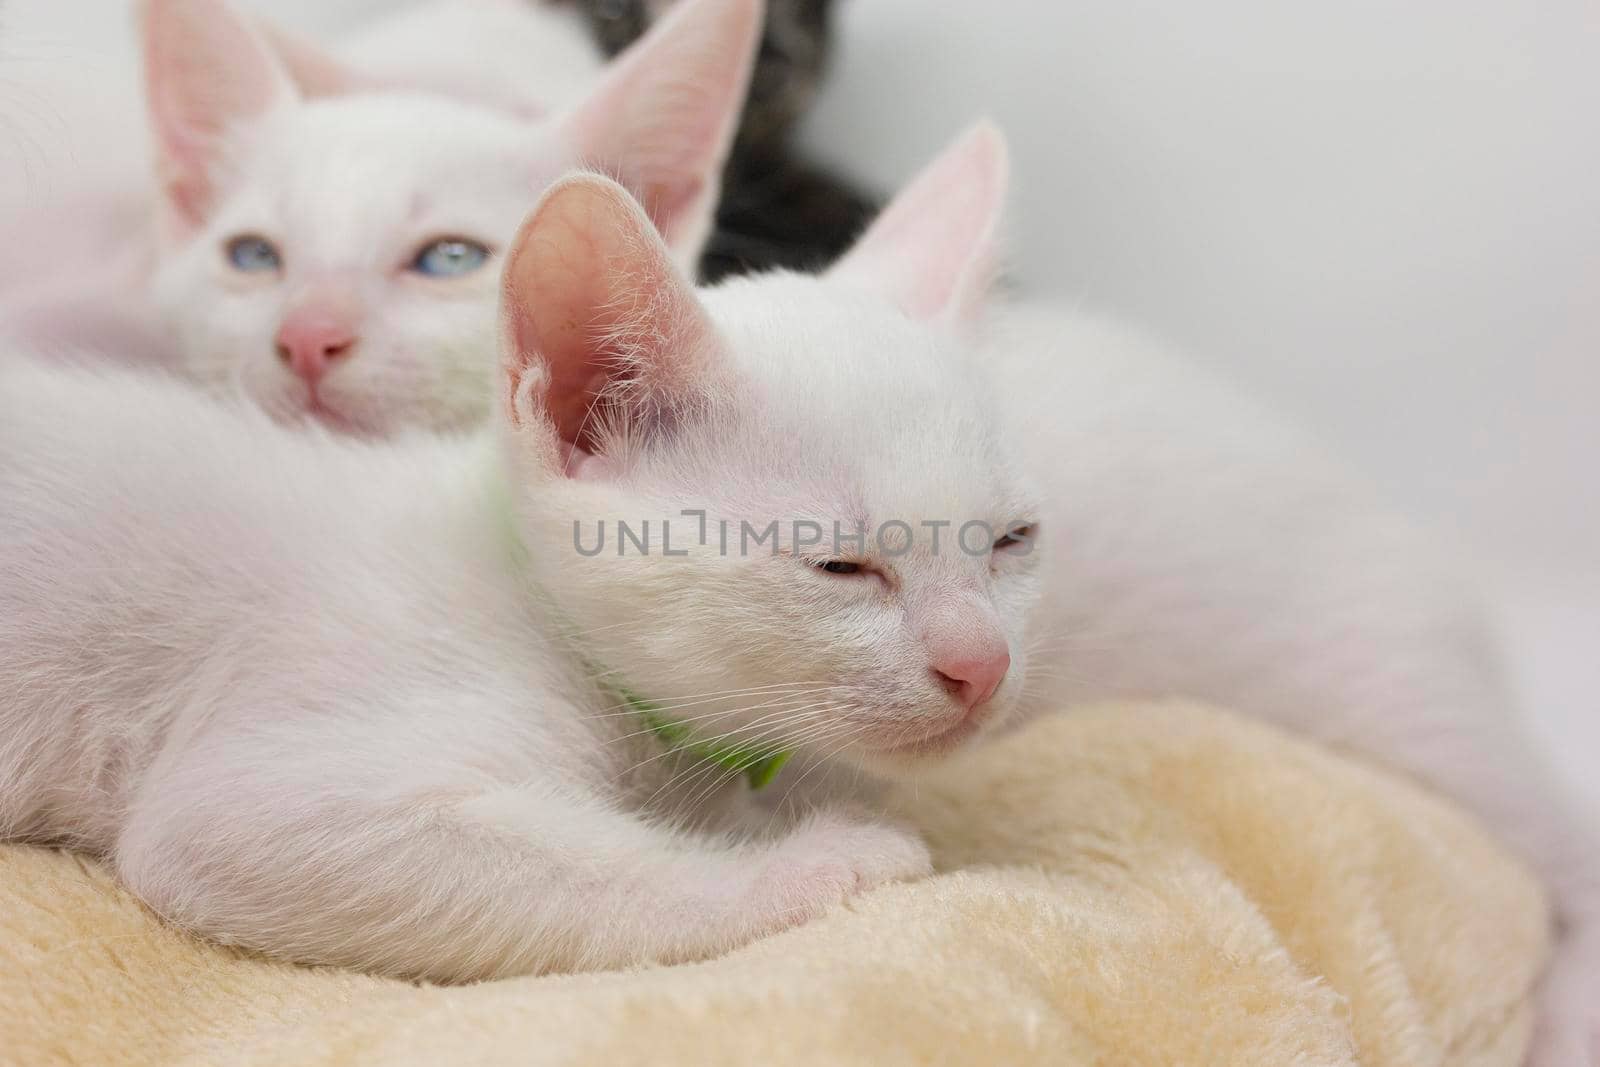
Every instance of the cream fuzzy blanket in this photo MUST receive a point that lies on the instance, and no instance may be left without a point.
(1154, 885)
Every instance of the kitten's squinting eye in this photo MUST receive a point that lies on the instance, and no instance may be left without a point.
(837, 566)
(1014, 537)
(253, 255)
(450, 258)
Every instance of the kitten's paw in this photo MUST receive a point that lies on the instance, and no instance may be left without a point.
(827, 860)
(1568, 1031)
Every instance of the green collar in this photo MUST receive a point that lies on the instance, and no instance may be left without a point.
(758, 763)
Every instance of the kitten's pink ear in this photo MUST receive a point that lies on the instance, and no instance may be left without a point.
(932, 250)
(664, 115)
(206, 70)
(601, 335)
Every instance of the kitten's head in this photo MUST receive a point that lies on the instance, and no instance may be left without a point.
(331, 241)
(778, 408)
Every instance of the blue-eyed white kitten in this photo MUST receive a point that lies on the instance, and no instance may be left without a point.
(328, 227)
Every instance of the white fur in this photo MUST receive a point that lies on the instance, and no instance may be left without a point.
(529, 54)
(295, 691)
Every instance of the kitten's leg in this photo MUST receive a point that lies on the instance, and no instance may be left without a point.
(459, 885)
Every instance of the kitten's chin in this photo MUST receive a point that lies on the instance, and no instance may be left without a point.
(319, 412)
(904, 757)
(331, 418)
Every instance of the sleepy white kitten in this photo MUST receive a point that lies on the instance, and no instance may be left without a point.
(376, 704)
(328, 230)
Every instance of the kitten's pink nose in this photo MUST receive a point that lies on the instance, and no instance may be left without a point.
(309, 341)
(973, 679)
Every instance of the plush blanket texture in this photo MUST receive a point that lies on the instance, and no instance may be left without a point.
(1153, 884)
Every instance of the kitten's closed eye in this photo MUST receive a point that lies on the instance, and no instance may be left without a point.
(1018, 540)
(1015, 537)
(253, 254)
(449, 257)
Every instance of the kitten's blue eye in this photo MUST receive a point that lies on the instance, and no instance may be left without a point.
(253, 254)
(450, 257)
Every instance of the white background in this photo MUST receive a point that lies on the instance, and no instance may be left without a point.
(1384, 215)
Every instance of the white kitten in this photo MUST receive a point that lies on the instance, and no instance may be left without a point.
(330, 252)
(1197, 545)
(328, 229)
(373, 704)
